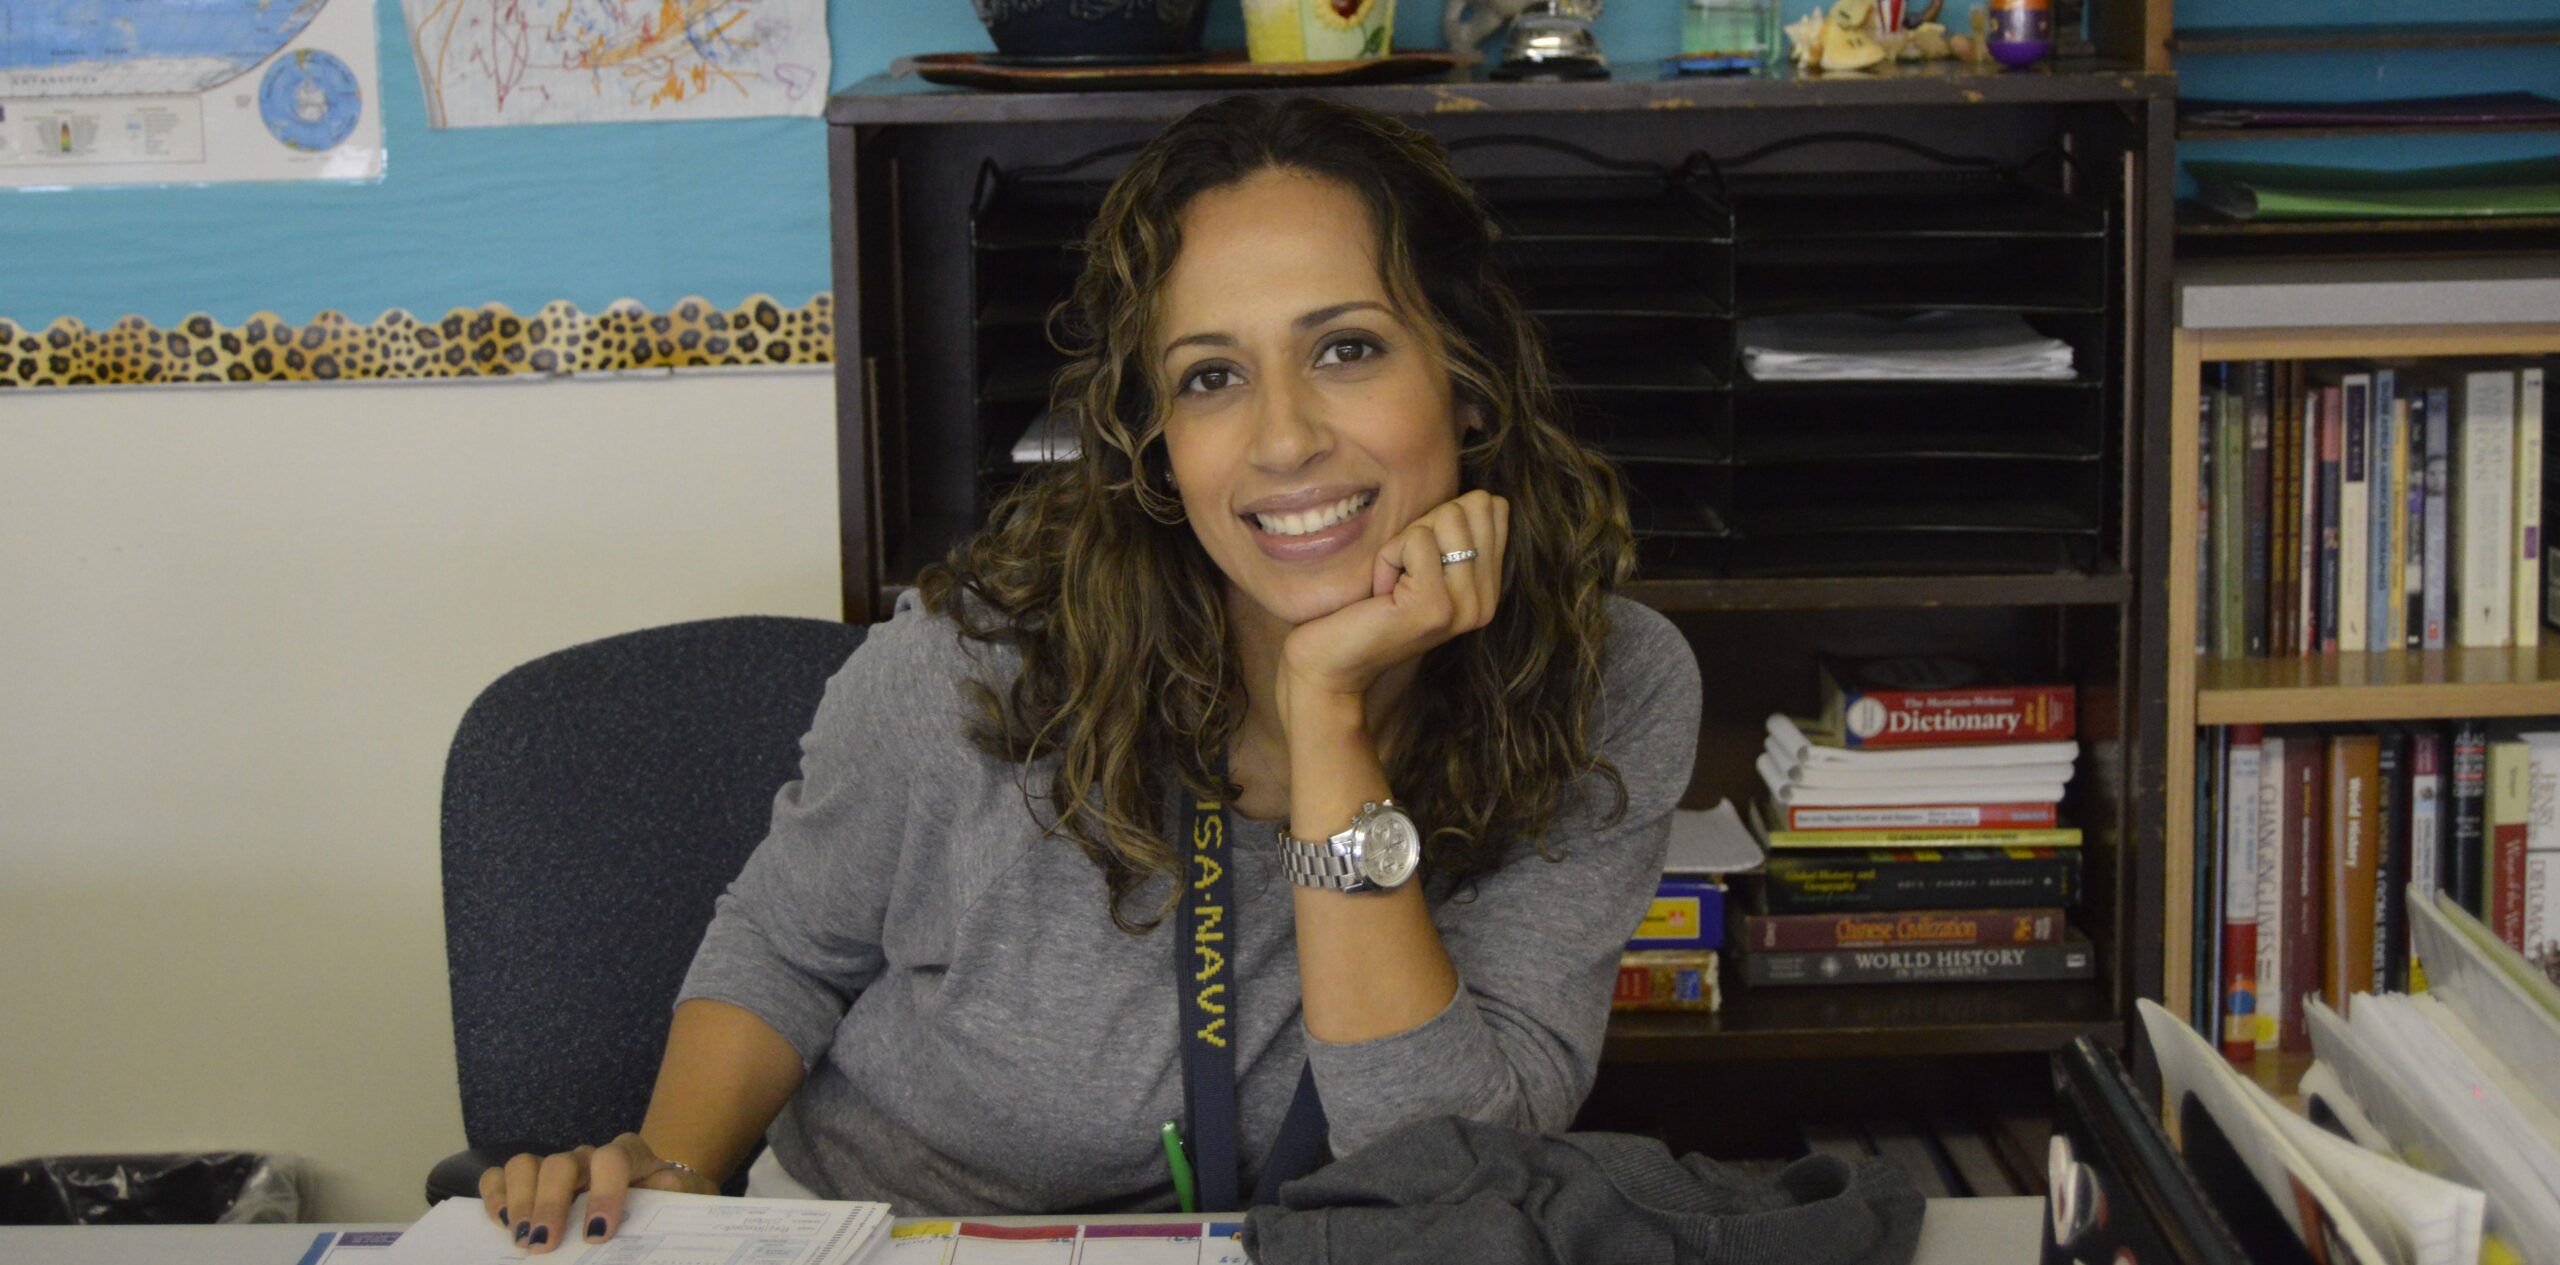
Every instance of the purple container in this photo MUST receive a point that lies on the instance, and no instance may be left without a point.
(2021, 31)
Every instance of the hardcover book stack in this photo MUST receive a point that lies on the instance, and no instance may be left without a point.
(2318, 835)
(2351, 507)
(1914, 832)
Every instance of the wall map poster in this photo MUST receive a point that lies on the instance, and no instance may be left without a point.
(489, 62)
(187, 91)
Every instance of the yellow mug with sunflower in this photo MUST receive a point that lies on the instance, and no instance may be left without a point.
(1318, 30)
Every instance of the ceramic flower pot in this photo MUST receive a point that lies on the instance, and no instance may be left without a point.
(1318, 30)
(1136, 30)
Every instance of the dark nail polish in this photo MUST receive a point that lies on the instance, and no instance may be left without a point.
(595, 1227)
(541, 1235)
(523, 1229)
(502, 1217)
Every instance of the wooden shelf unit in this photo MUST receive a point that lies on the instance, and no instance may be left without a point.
(905, 160)
(2399, 685)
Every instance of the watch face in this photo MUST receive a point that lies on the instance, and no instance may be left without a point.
(1390, 850)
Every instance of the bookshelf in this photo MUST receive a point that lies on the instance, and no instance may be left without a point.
(2399, 685)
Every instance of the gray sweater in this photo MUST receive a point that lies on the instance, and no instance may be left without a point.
(980, 1038)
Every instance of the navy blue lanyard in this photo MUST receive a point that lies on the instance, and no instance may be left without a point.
(1207, 982)
(1208, 1007)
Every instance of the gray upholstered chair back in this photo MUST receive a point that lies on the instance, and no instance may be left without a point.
(596, 802)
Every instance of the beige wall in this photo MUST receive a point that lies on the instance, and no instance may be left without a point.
(237, 626)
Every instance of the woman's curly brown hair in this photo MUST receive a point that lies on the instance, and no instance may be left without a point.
(1118, 614)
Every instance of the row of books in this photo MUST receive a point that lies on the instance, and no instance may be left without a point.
(2315, 836)
(2371, 508)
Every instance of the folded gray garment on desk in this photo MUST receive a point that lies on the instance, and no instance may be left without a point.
(1454, 1190)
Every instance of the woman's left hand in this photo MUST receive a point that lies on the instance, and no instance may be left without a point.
(1416, 602)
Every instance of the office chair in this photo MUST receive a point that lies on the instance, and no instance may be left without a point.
(596, 801)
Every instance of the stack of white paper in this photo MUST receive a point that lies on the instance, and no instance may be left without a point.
(1954, 346)
(1050, 437)
(1801, 772)
(661, 1227)
(1710, 843)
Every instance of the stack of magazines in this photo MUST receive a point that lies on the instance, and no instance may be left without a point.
(1936, 345)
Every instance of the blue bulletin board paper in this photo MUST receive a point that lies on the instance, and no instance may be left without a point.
(654, 212)
(521, 217)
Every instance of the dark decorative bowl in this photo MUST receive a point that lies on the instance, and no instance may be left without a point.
(1094, 31)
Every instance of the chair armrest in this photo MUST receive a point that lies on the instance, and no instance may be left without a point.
(457, 1176)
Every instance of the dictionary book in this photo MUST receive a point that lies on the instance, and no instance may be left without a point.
(1925, 700)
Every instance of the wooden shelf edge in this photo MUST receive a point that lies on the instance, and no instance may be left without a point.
(2396, 685)
(2210, 134)
(1849, 593)
(2326, 37)
(1869, 1021)
(1705, 1045)
(2342, 342)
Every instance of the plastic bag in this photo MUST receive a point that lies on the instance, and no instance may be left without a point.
(200, 1188)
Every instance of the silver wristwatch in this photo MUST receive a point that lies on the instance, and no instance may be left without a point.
(1380, 851)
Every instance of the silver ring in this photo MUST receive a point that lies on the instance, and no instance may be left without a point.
(1456, 556)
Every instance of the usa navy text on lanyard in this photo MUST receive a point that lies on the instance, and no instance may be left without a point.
(1208, 1005)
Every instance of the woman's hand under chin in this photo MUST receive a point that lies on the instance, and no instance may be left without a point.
(1415, 604)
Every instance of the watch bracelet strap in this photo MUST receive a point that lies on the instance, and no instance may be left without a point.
(1317, 864)
(1328, 863)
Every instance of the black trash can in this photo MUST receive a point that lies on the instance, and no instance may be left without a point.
(196, 1188)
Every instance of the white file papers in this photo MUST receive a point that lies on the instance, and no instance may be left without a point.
(2513, 1010)
(661, 1227)
(2442, 1113)
(2266, 1138)
(1939, 345)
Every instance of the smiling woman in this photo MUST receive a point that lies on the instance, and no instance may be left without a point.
(1325, 605)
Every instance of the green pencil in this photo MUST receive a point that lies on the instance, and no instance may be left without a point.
(1180, 1166)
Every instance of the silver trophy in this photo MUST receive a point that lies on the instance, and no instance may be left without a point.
(1549, 39)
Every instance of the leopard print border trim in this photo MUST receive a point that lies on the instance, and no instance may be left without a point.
(488, 342)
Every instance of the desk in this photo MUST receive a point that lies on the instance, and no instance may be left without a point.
(1955, 1232)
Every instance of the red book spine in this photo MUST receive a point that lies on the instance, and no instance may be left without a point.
(1934, 718)
(2506, 884)
(1926, 817)
(2240, 991)
(2304, 864)
(2239, 870)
